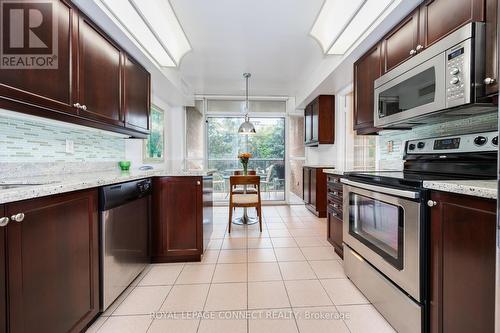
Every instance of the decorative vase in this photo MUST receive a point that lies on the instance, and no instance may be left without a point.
(245, 168)
(244, 158)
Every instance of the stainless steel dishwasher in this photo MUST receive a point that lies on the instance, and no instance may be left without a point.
(124, 236)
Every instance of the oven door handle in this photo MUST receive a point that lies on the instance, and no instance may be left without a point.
(380, 189)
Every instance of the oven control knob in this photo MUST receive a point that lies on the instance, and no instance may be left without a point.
(494, 141)
(411, 146)
(480, 140)
(455, 80)
(421, 145)
(454, 71)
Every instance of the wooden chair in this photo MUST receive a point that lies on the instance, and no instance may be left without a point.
(245, 200)
(250, 189)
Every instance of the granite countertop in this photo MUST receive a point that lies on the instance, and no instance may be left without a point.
(51, 185)
(334, 172)
(478, 188)
(319, 166)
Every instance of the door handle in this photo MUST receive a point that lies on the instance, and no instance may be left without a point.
(77, 105)
(4, 221)
(413, 52)
(419, 48)
(19, 217)
(489, 81)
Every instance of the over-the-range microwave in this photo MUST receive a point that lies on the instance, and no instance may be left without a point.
(441, 82)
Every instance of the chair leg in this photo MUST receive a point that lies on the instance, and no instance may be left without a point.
(230, 218)
(259, 214)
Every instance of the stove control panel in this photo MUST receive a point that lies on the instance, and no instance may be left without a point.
(466, 143)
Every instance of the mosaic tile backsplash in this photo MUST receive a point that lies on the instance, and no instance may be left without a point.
(27, 141)
(392, 160)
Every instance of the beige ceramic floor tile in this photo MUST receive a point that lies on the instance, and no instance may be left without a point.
(284, 242)
(188, 297)
(220, 324)
(343, 292)
(208, 257)
(230, 273)
(289, 254)
(174, 325)
(296, 270)
(126, 324)
(259, 243)
(196, 274)
(264, 271)
(320, 320)
(215, 244)
(256, 233)
(234, 243)
(232, 256)
(161, 275)
(309, 241)
(143, 300)
(328, 269)
(267, 295)
(307, 293)
(365, 318)
(261, 255)
(96, 324)
(227, 296)
(275, 233)
(319, 253)
(272, 321)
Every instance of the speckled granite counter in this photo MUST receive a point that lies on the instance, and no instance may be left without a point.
(72, 182)
(478, 188)
(319, 166)
(334, 172)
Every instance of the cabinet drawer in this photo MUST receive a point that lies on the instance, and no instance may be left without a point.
(334, 193)
(335, 212)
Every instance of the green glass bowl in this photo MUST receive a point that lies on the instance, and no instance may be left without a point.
(124, 165)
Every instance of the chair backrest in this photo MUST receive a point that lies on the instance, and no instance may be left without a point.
(244, 180)
(240, 172)
(269, 172)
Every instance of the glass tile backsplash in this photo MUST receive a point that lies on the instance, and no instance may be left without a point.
(28, 140)
(391, 144)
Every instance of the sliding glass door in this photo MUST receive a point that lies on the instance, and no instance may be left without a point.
(267, 147)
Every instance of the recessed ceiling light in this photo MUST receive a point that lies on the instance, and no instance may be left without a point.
(369, 13)
(332, 19)
(163, 21)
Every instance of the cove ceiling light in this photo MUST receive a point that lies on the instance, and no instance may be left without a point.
(154, 27)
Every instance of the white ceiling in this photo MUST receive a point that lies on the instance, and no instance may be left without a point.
(268, 38)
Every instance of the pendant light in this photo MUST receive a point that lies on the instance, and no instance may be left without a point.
(247, 127)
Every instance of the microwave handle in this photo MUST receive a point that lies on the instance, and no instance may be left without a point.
(380, 189)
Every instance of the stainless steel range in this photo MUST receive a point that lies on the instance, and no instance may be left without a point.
(385, 218)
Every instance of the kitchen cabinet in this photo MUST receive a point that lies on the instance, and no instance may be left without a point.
(314, 183)
(53, 263)
(462, 264)
(98, 84)
(491, 65)
(99, 75)
(401, 42)
(366, 70)
(136, 85)
(319, 121)
(182, 208)
(334, 213)
(38, 86)
(439, 18)
(3, 276)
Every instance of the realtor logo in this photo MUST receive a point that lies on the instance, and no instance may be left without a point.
(28, 33)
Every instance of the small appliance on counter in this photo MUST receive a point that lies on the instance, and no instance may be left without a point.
(125, 214)
(386, 222)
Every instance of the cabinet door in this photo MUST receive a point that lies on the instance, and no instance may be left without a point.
(51, 88)
(136, 94)
(315, 121)
(462, 265)
(398, 45)
(441, 17)
(177, 217)
(306, 183)
(366, 70)
(3, 277)
(491, 46)
(308, 124)
(99, 75)
(312, 188)
(53, 263)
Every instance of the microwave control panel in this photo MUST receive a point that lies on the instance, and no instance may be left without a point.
(457, 72)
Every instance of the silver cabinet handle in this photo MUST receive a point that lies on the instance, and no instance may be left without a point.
(77, 105)
(431, 203)
(4, 221)
(413, 52)
(84, 107)
(419, 48)
(489, 81)
(19, 217)
(198, 182)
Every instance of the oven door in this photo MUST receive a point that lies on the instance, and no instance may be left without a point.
(414, 93)
(383, 225)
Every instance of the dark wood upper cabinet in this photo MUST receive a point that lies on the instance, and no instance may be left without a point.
(439, 18)
(3, 277)
(179, 205)
(366, 70)
(462, 264)
(491, 70)
(319, 121)
(50, 88)
(137, 95)
(53, 263)
(99, 75)
(400, 44)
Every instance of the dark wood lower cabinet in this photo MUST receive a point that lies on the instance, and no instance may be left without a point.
(181, 206)
(53, 263)
(462, 264)
(314, 190)
(3, 277)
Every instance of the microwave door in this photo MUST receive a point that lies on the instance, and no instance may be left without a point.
(414, 93)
